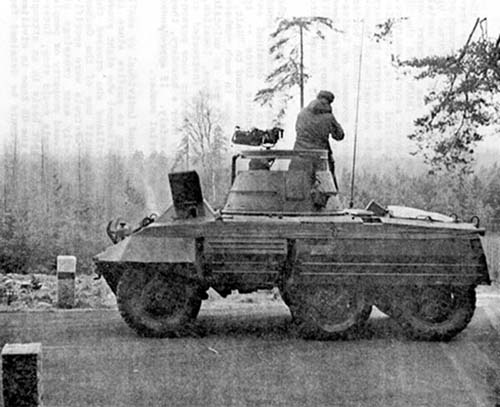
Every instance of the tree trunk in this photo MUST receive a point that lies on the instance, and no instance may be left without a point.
(5, 181)
(301, 67)
(213, 184)
(13, 190)
(79, 175)
(43, 186)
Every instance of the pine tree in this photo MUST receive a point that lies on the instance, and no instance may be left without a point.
(288, 53)
(463, 107)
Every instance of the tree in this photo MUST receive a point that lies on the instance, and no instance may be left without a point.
(202, 143)
(463, 106)
(11, 171)
(113, 191)
(384, 30)
(492, 195)
(287, 51)
(154, 182)
(14, 247)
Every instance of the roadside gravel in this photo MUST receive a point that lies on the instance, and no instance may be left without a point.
(38, 292)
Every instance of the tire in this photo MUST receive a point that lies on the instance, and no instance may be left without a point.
(156, 304)
(328, 312)
(436, 313)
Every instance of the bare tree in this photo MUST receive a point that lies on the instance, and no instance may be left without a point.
(43, 176)
(11, 171)
(202, 143)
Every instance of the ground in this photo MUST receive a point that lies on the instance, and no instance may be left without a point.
(17, 292)
(245, 353)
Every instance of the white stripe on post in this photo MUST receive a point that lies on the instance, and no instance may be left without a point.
(22, 374)
(66, 269)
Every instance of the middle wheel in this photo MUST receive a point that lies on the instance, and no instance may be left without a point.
(328, 312)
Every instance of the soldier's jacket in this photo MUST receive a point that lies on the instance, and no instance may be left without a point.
(314, 125)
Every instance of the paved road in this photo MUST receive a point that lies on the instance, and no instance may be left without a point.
(248, 357)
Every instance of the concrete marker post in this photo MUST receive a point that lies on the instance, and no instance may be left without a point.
(66, 269)
(22, 374)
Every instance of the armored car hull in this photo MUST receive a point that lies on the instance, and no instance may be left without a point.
(331, 265)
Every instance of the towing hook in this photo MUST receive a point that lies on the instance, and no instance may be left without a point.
(117, 230)
(148, 220)
(454, 216)
(475, 221)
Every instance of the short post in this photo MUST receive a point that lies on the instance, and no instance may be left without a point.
(66, 268)
(22, 374)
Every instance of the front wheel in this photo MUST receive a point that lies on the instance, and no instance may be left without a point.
(155, 303)
(436, 313)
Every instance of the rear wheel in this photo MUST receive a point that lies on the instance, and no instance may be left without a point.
(155, 303)
(328, 312)
(436, 313)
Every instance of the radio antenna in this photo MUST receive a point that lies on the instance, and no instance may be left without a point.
(351, 202)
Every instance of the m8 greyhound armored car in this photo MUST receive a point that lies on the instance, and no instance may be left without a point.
(283, 226)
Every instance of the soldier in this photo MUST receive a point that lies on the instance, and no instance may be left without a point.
(315, 123)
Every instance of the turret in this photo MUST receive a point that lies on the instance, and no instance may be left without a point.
(281, 182)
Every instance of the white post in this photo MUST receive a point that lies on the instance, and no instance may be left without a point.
(66, 269)
(22, 374)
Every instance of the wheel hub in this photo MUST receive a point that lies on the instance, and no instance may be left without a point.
(333, 310)
(434, 304)
(161, 297)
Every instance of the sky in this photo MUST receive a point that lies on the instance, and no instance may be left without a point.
(116, 75)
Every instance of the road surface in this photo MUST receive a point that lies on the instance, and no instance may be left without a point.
(247, 356)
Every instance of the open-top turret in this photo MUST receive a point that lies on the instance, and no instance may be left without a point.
(267, 187)
(282, 226)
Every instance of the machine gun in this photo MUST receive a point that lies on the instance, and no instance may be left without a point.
(256, 137)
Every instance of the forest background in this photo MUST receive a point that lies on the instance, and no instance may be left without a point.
(65, 208)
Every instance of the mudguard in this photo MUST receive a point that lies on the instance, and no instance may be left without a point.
(147, 248)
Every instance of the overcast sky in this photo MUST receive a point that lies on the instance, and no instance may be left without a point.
(116, 74)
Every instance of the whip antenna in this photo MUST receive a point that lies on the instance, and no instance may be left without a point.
(351, 202)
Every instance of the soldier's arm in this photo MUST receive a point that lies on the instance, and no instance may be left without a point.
(336, 129)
